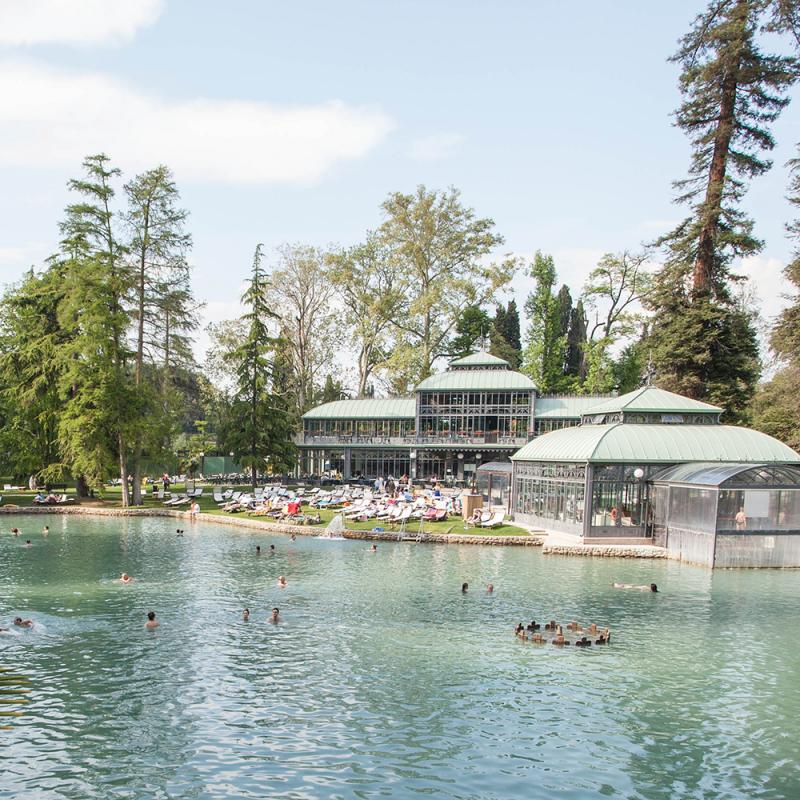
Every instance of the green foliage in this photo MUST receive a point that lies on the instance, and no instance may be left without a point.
(257, 427)
(544, 356)
(371, 287)
(439, 245)
(505, 336)
(472, 328)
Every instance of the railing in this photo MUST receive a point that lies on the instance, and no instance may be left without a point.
(455, 440)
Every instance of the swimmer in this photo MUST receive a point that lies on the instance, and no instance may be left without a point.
(272, 549)
(642, 587)
(592, 629)
(275, 616)
(537, 638)
(23, 623)
(258, 549)
(374, 549)
(294, 538)
(15, 531)
(464, 588)
(559, 641)
(46, 530)
(490, 588)
(519, 629)
(125, 578)
(573, 626)
(152, 622)
(281, 582)
(27, 543)
(178, 532)
(246, 615)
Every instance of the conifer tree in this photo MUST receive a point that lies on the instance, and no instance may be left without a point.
(732, 92)
(259, 427)
(162, 303)
(575, 358)
(543, 359)
(504, 336)
(101, 406)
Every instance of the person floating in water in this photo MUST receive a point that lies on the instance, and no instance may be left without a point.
(275, 616)
(643, 587)
(246, 615)
(125, 578)
(152, 622)
(23, 623)
(282, 582)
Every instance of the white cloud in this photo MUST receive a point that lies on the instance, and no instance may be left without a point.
(51, 118)
(435, 146)
(31, 22)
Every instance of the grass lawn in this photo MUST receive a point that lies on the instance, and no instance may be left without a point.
(111, 499)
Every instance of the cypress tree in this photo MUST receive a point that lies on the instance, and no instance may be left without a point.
(575, 359)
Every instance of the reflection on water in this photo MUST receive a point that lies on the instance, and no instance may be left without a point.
(382, 679)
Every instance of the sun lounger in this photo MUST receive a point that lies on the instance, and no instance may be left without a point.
(218, 496)
(495, 521)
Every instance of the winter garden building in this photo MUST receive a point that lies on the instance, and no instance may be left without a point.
(652, 466)
(478, 411)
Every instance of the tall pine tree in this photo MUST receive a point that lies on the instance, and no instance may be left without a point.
(703, 344)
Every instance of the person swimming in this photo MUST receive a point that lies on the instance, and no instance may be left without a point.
(374, 548)
(258, 549)
(15, 531)
(46, 530)
(294, 537)
(125, 578)
(519, 629)
(23, 623)
(27, 543)
(246, 615)
(282, 582)
(642, 587)
(490, 588)
(275, 616)
(272, 549)
(464, 588)
(152, 622)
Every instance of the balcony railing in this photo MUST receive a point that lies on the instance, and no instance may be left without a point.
(454, 440)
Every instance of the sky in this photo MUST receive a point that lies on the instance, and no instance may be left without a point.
(291, 122)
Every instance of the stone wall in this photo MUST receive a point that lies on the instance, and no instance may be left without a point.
(605, 551)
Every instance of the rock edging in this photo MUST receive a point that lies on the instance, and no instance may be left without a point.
(605, 550)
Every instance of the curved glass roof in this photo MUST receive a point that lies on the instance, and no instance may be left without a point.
(567, 407)
(477, 379)
(479, 359)
(654, 444)
(369, 408)
(706, 474)
(651, 398)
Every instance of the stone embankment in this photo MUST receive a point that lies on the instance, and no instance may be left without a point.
(605, 550)
(277, 527)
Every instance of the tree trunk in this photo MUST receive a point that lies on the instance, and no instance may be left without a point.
(711, 210)
(81, 487)
(123, 472)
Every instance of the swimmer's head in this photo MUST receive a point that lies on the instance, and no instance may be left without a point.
(27, 541)
(653, 587)
(151, 615)
(18, 620)
(464, 587)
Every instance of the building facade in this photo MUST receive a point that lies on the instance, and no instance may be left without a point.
(654, 466)
(479, 410)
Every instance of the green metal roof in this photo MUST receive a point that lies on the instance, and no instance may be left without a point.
(656, 444)
(570, 407)
(651, 398)
(371, 408)
(478, 380)
(480, 359)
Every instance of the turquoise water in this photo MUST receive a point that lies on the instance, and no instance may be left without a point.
(383, 680)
